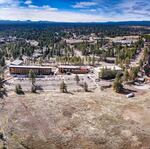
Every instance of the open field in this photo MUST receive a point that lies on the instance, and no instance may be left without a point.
(93, 120)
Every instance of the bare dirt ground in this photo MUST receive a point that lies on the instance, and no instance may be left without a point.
(93, 120)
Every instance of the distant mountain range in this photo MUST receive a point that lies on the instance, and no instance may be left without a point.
(136, 23)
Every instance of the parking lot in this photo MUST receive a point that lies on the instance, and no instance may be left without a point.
(52, 83)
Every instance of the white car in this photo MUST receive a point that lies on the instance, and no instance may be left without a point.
(130, 95)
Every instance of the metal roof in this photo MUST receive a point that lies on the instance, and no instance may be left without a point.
(16, 62)
(30, 67)
(68, 66)
(72, 67)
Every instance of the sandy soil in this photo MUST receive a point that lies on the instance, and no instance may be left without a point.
(94, 120)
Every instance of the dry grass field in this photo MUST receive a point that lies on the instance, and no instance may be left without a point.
(93, 120)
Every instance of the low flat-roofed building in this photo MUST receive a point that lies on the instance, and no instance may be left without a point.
(97, 70)
(17, 62)
(36, 55)
(77, 41)
(2, 41)
(32, 42)
(110, 59)
(73, 69)
(124, 40)
(24, 70)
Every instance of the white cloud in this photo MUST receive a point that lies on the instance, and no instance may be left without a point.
(84, 4)
(136, 8)
(5, 1)
(36, 14)
(33, 6)
(28, 2)
(9, 2)
(44, 7)
(12, 10)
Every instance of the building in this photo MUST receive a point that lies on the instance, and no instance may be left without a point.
(17, 62)
(110, 59)
(32, 42)
(77, 41)
(97, 70)
(24, 70)
(73, 69)
(124, 40)
(2, 40)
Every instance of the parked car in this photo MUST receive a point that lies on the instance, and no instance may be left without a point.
(97, 80)
(68, 73)
(130, 95)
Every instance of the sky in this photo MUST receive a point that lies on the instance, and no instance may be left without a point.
(75, 10)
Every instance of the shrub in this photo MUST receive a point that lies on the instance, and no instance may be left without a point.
(33, 89)
(117, 85)
(85, 86)
(18, 89)
(107, 74)
(77, 79)
(63, 87)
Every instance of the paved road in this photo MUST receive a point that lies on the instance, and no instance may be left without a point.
(136, 61)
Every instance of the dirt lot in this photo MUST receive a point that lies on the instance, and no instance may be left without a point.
(52, 83)
(94, 120)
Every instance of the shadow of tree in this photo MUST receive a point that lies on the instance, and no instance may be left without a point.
(3, 93)
(126, 91)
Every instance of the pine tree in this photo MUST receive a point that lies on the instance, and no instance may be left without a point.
(1, 82)
(63, 87)
(2, 61)
(33, 89)
(117, 85)
(77, 79)
(18, 89)
(126, 75)
(85, 86)
(134, 73)
(141, 63)
(32, 77)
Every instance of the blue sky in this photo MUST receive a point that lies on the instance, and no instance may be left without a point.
(75, 10)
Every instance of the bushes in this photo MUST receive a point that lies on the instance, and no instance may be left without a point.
(107, 74)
